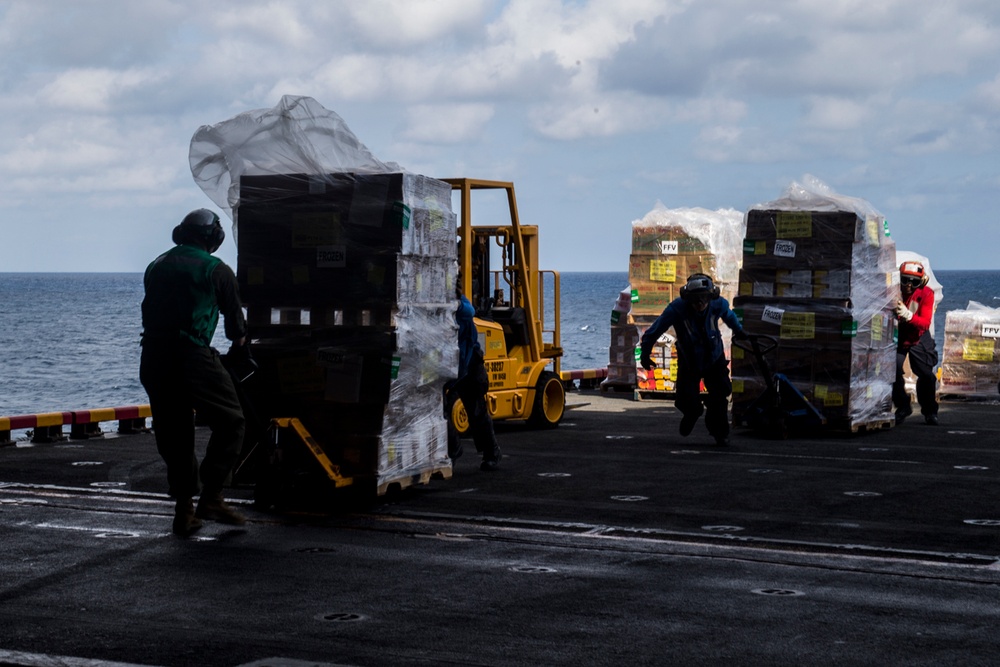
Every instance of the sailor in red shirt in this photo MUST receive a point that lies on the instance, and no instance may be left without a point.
(914, 313)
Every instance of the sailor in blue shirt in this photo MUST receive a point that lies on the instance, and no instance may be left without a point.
(695, 316)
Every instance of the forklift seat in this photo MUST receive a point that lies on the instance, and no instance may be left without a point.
(514, 324)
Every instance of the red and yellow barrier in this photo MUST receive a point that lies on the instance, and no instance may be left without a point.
(48, 426)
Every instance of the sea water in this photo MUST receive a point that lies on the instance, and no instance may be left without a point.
(70, 341)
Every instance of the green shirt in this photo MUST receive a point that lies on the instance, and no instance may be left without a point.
(186, 289)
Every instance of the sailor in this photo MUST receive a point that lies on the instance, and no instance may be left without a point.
(914, 314)
(695, 316)
(186, 289)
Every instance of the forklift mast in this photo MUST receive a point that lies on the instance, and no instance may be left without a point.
(518, 284)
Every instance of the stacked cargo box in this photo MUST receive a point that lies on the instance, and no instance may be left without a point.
(823, 282)
(624, 338)
(348, 280)
(971, 364)
(668, 245)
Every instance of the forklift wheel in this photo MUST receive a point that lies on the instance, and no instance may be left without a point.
(550, 401)
(459, 417)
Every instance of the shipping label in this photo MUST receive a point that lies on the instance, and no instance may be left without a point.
(751, 247)
(977, 350)
(800, 326)
(663, 271)
(990, 330)
(310, 230)
(669, 247)
(872, 230)
(772, 315)
(784, 248)
(331, 256)
(877, 327)
(794, 224)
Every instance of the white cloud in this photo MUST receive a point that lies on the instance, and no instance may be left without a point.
(95, 90)
(447, 123)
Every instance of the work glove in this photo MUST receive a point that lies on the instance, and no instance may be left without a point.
(646, 362)
(902, 312)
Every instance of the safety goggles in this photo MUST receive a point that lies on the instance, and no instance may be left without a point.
(910, 282)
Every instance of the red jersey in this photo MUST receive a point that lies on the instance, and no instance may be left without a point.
(921, 304)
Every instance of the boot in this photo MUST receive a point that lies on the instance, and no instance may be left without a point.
(185, 521)
(212, 507)
(491, 461)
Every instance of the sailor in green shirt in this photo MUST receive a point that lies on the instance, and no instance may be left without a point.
(186, 290)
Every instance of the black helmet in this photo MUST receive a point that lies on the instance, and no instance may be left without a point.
(699, 285)
(201, 227)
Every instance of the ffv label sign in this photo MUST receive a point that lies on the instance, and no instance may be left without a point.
(991, 330)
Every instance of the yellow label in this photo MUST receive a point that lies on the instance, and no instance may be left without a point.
(255, 275)
(820, 391)
(738, 386)
(872, 230)
(799, 326)
(746, 289)
(760, 248)
(300, 275)
(673, 370)
(977, 350)
(663, 271)
(315, 229)
(877, 327)
(737, 352)
(833, 398)
(793, 225)
(868, 392)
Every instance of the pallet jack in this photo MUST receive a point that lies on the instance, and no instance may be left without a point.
(781, 408)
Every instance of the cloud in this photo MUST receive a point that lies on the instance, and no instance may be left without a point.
(447, 123)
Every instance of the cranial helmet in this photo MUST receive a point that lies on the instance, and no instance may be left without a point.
(913, 269)
(699, 285)
(201, 227)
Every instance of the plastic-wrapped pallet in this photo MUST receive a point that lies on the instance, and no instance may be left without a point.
(347, 268)
(668, 245)
(971, 365)
(819, 274)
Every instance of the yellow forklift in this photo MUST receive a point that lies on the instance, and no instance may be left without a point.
(517, 311)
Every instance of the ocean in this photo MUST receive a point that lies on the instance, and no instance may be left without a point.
(70, 341)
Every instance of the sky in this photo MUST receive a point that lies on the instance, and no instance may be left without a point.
(596, 110)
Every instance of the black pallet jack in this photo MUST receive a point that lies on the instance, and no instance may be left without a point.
(781, 408)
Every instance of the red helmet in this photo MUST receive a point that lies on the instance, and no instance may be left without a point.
(913, 271)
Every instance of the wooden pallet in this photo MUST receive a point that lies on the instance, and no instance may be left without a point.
(653, 395)
(407, 480)
(873, 426)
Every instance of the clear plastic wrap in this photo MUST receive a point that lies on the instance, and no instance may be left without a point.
(971, 360)
(668, 245)
(818, 274)
(347, 268)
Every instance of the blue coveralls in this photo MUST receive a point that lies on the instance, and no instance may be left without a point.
(700, 356)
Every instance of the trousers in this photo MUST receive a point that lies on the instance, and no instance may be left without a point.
(923, 358)
(181, 379)
(718, 386)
